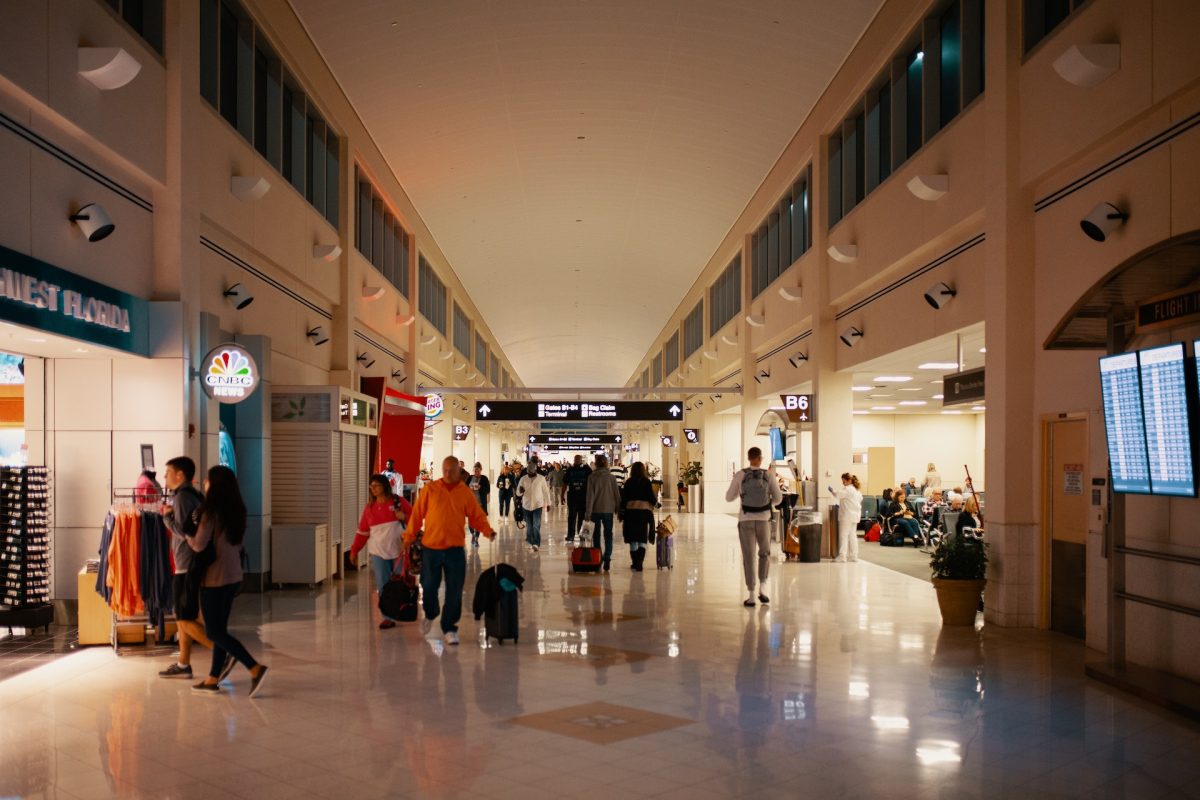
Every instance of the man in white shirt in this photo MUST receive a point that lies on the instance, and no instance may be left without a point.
(533, 493)
(758, 492)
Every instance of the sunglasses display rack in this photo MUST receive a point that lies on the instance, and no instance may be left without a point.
(25, 548)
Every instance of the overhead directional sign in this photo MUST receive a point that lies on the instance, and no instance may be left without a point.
(571, 439)
(667, 441)
(461, 432)
(799, 407)
(571, 410)
(692, 435)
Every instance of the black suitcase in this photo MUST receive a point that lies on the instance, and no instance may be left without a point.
(399, 600)
(501, 621)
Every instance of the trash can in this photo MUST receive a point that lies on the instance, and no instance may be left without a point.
(810, 541)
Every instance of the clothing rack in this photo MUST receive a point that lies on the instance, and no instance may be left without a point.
(25, 548)
(139, 634)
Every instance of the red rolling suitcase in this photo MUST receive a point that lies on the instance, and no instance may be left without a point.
(585, 559)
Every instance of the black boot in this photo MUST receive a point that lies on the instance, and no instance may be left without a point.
(639, 559)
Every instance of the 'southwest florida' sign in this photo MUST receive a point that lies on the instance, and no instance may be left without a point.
(40, 295)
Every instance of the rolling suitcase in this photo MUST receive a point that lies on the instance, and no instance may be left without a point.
(399, 599)
(502, 620)
(585, 559)
(664, 552)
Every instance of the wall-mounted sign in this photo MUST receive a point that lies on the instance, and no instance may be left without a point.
(582, 439)
(532, 411)
(461, 432)
(963, 388)
(434, 406)
(1168, 310)
(228, 373)
(1073, 480)
(798, 407)
(40, 295)
(667, 441)
(692, 435)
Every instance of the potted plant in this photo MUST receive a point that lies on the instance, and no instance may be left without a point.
(655, 475)
(959, 567)
(691, 474)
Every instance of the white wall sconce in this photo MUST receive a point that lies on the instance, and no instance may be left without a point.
(107, 68)
(93, 220)
(710, 355)
(318, 335)
(428, 340)
(929, 187)
(1103, 220)
(845, 253)
(326, 252)
(1088, 64)
(792, 294)
(372, 293)
(446, 355)
(460, 366)
(729, 339)
(404, 320)
(851, 335)
(756, 320)
(238, 296)
(366, 360)
(798, 359)
(939, 295)
(249, 187)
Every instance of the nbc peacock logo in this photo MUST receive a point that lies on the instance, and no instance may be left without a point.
(231, 374)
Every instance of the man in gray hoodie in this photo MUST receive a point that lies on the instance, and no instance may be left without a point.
(603, 500)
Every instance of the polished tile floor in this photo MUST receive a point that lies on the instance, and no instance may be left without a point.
(626, 685)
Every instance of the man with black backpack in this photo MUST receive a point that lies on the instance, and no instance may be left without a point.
(758, 492)
(576, 483)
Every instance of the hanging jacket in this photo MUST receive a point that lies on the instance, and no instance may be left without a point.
(488, 588)
(124, 565)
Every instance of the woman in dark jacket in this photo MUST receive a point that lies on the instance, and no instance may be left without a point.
(637, 513)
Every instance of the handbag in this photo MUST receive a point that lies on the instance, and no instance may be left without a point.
(398, 599)
(667, 526)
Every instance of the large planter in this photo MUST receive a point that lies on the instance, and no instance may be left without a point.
(958, 600)
(693, 498)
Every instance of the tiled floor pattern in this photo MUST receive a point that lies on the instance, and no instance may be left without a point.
(845, 686)
(22, 650)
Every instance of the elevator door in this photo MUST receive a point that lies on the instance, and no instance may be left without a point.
(1067, 458)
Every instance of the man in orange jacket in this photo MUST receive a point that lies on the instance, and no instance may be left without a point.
(441, 508)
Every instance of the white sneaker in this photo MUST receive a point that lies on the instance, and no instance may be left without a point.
(839, 560)
(452, 638)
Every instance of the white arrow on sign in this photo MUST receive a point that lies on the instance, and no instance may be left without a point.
(532, 439)
(619, 438)
(484, 410)
(673, 411)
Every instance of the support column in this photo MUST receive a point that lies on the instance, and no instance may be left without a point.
(253, 446)
(1008, 260)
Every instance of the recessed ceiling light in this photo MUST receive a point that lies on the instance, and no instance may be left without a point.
(861, 388)
(879, 396)
(860, 412)
(913, 403)
(938, 396)
(883, 408)
(893, 379)
(939, 380)
(911, 389)
(951, 412)
(939, 365)
(81, 350)
(983, 349)
(979, 408)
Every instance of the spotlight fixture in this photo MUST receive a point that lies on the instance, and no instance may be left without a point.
(398, 375)
(326, 252)
(797, 359)
(1103, 220)
(238, 296)
(318, 335)
(762, 373)
(366, 360)
(940, 294)
(851, 335)
(107, 68)
(93, 220)
(249, 187)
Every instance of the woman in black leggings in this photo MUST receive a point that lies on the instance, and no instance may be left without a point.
(218, 541)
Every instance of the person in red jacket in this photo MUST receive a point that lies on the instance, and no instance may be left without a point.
(441, 508)
(380, 530)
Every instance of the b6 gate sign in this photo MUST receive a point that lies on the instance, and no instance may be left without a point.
(799, 407)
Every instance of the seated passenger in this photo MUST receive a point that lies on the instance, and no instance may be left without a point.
(970, 518)
(933, 508)
(902, 520)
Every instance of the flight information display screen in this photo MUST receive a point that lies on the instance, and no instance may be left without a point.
(1121, 387)
(1165, 409)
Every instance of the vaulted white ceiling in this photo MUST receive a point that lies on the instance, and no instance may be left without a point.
(579, 161)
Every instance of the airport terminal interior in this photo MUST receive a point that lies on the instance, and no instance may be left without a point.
(599, 398)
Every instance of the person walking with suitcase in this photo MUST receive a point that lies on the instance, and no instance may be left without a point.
(576, 480)
(380, 530)
(603, 500)
(849, 499)
(758, 492)
(637, 513)
(441, 509)
(533, 493)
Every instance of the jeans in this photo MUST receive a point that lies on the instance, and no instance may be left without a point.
(533, 527)
(216, 604)
(575, 514)
(755, 532)
(382, 569)
(605, 522)
(453, 562)
(505, 503)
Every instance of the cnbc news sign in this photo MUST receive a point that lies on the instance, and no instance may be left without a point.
(39, 295)
(229, 374)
